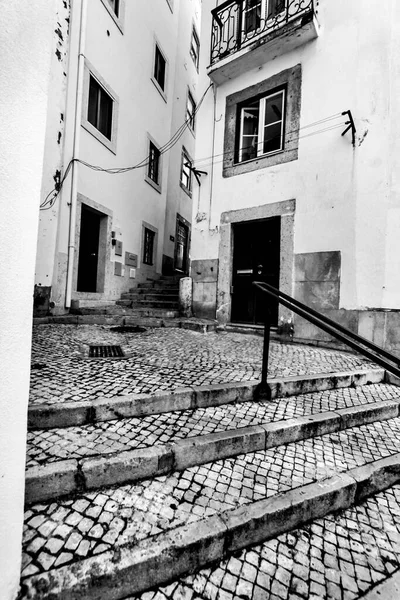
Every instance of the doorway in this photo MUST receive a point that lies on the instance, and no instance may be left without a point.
(88, 250)
(256, 257)
(181, 245)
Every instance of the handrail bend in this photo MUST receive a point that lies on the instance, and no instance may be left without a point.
(368, 349)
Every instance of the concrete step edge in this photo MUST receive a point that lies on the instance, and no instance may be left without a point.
(67, 414)
(134, 568)
(64, 477)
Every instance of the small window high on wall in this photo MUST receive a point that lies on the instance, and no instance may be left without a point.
(100, 108)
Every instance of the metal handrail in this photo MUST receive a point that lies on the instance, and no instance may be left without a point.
(354, 341)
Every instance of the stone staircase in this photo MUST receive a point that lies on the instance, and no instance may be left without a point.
(158, 298)
(129, 493)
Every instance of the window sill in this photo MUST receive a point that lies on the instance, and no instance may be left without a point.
(117, 20)
(109, 144)
(159, 89)
(153, 184)
(261, 162)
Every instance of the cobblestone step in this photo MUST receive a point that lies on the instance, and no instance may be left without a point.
(158, 284)
(153, 297)
(124, 540)
(342, 556)
(67, 461)
(100, 409)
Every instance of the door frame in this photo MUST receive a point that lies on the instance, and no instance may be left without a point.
(285, 210)
(104, 255)
(183, 221)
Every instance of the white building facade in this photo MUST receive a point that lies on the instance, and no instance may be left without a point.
(288, 199)
(125, 81)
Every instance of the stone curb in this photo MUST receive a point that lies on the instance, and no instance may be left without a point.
(64, 477)
(69, 414)
(180, 323)
(134, 568)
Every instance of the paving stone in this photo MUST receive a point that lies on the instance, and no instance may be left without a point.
(162, 359)
(169, 427)
(331, 584)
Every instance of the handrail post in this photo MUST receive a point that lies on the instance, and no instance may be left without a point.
(263, 391)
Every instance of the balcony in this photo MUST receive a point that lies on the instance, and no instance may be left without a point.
(247, 33)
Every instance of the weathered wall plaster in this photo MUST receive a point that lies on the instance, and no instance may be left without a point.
(25, 51)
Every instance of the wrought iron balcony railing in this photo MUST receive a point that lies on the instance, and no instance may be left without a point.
(238, 23)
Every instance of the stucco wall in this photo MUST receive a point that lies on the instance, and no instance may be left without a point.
(25, 47)
(346, 198)
(121, 54)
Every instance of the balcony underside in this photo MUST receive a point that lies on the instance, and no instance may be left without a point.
(265, 48)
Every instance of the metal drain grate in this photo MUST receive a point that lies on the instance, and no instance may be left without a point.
(105, 352)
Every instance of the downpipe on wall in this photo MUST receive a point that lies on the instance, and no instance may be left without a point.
(75, 152)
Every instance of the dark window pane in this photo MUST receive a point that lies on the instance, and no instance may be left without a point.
(100, 108)
(273, 109)
(272, 138)
(105, 120)
(249, 142)
(115, 6)
(94, 90)
(275, 7)
(148, 246)
(154, 161)
(252, 17)
(159, 69)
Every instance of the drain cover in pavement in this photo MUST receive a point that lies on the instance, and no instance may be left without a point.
(105, 352)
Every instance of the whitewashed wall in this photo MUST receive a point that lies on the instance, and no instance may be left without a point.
(346, 199)
(25, 47)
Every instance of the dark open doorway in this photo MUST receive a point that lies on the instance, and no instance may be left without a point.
(88, 250)
(256, 257)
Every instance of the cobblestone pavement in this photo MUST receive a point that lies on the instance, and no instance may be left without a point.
(161, 359)
(339, 557)
(127, 434)
(61, 532)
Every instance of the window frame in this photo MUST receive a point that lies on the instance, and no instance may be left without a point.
(162, 91)
(195, 56)
(191, 115)
(186, 158)
(155, 184)
(152, 237)
(262, 101)
(119, 19)
(291, 80)
(89, 72)
(99, 108)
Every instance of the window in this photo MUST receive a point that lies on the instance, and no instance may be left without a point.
(257, 12)
(261, 126)
(159, 68)
(190, 111)
(154, 163)
(114, 6)
(186, 172)
(100, 108)
(195, 48)
(148, 246)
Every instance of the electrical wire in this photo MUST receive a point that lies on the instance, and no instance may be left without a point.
(51, 197)
(198, 162)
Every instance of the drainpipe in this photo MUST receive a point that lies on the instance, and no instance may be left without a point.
(212, 154)
(75, 151)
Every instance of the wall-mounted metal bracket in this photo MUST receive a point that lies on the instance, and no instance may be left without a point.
(196, 172)
(351, 126)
